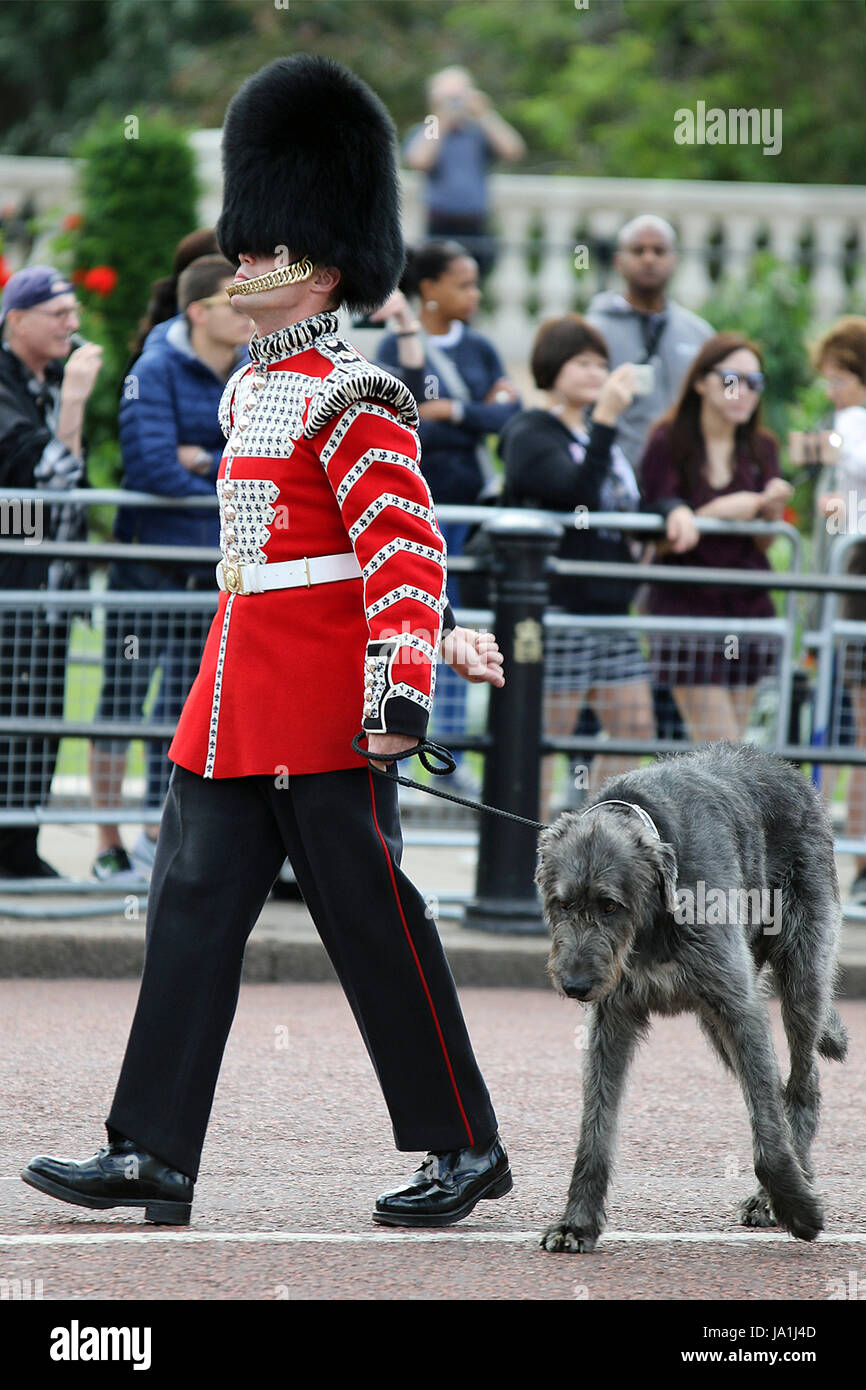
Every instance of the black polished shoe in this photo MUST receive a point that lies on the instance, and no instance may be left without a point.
(120, 1175)
(447, 1186)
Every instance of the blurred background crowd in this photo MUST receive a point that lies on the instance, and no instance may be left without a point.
(610, 394)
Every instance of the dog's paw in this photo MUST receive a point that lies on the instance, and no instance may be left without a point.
(795, 1204)
(574, 1240)
(804, 1218)
(756, 1211)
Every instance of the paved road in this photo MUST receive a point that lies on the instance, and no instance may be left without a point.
(300, 1144)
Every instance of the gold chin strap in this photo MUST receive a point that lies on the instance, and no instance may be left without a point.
(274, 279)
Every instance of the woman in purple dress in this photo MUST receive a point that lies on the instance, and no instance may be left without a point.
(710, 457)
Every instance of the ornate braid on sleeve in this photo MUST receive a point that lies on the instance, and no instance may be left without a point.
(371, 460)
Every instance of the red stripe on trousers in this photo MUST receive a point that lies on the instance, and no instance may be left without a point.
(417, 961)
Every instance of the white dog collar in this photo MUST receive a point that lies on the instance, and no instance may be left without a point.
(644, 815)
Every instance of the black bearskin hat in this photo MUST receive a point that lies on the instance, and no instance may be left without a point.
(309, 160)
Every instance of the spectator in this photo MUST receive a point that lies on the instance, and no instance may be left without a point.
(840, 357)
(162, 305)
(565, 457)
(644, 325)
(710, 457)
(455, 147)
(463, 395)
(172, 445)
(42, 405)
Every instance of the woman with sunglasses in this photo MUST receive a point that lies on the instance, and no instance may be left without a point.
(709, 456)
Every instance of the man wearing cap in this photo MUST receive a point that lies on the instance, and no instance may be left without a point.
(42, 406)
(329, 622)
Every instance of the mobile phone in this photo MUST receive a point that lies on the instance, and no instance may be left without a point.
(644, 378)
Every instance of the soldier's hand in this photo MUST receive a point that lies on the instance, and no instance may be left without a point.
(388, 743)
(473, 655)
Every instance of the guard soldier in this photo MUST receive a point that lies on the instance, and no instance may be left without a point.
(329, 619)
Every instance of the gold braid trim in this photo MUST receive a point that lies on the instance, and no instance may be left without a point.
(274, 279)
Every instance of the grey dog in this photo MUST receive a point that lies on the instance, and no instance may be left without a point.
(648, 895)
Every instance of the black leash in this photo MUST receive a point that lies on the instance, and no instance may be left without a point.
(431, 754)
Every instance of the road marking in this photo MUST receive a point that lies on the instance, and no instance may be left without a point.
(408, 1237)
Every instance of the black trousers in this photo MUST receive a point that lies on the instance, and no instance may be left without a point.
(221, 844)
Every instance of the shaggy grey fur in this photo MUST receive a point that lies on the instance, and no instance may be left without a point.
(731, 818)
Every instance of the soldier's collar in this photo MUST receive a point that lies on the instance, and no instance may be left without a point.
(298, 336)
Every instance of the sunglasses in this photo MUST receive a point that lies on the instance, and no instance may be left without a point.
(754, 380)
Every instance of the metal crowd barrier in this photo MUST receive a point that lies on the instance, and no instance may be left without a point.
(64, 701)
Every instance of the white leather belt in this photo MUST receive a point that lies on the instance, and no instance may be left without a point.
(287, 574)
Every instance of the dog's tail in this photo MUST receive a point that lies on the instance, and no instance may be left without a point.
(833, 1042)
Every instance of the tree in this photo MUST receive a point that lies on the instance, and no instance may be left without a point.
(594, 90)
(138, 195)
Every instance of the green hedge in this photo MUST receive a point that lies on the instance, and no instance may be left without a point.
(139, 193)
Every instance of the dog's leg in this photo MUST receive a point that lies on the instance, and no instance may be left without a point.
(711, 1032)
(803, 1014)
(754, 1210)
(614, 1034)
(742, 1022)
(804, 967)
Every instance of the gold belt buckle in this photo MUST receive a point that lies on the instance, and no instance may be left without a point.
(233, 578)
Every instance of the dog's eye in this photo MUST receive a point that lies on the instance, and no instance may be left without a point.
(608, 905)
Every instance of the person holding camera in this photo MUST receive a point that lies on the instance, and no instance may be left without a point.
(42, 405)
(643, 324)
(454, 147)
(566, 458)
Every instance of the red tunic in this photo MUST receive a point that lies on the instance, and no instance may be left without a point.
(322, 459)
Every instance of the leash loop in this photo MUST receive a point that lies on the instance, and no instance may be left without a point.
(427, 751)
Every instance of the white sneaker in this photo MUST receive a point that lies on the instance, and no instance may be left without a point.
(115, 866)
(144, 852)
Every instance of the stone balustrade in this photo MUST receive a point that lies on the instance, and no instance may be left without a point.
(548, 225)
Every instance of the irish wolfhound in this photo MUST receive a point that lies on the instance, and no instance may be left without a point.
(668, 894)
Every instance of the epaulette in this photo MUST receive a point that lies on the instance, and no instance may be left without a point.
(354, 378)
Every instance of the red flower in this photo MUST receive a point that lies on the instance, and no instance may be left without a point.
(71, 221)
(5, 272)
(101, 279)
(792, 516)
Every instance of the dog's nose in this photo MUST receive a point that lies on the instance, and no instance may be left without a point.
(577, 986)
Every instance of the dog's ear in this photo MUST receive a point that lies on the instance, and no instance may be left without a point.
(555, 831)
(656, 938)
(548, 839)
(667, 869)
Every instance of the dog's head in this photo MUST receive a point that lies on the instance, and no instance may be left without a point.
(605, 881)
